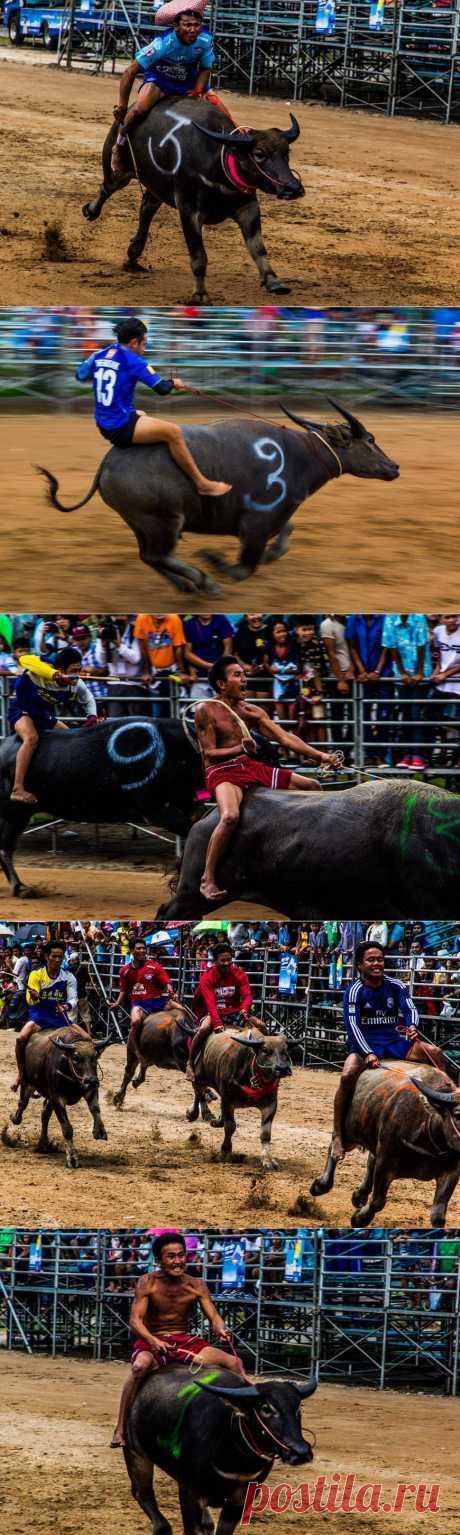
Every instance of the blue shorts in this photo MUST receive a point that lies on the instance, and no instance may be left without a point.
(15, 713)
(168, 86)
(49, 1021)
(385, 1043)
(151, 1004)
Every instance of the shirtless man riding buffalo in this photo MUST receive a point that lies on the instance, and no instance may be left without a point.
(230, 763)
(160, 1320)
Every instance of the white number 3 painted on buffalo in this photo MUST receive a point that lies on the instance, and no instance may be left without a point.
(272, 452)
(170, 138)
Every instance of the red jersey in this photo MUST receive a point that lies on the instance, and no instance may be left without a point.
(143, 982)
(220, 996)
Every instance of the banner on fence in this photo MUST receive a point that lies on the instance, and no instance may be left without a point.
(377, 15)
(326, 16)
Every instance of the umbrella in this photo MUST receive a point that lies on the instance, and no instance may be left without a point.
(6, 932)
(161, 937)
(207, 927)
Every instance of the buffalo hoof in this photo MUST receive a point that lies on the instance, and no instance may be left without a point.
(270, 1165)
(200, 298)
(118, 1099)
(192, 1114)
(131, 265)
(45, 1148)
(71, 1160)
(100, 1134)
(90, 212)
(23, 892)
(214, 1120)
(276, 285)
(318, 1187)
(217, 561)
(363, 1219)
(226, 1156)
(357, 1199)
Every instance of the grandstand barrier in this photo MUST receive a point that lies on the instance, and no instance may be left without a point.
(380, 1309)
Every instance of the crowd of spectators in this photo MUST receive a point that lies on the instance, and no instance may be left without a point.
(287, 962)
(400, 673)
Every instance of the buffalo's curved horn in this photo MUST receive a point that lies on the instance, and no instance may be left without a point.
(440, 1100)
(299, 420)
(356, 426)
(292, 133)
(230, 139)
(233, 1393)
(64, 1044)
(305, 1388)
(251, 1044)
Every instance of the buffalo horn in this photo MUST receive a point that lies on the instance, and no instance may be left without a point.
(356, 426)
(234, 1393)
(64, 1044)
(440, 1100)
(305, 1388)
(292, 133)
(232, 140)
(298, 419)
(251, 1044)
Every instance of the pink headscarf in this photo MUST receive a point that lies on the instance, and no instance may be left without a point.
(168, 13)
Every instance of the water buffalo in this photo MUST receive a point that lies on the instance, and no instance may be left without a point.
(188, 155)
(163, 1041)
(213, 1438)
(388, 1114)
(62, 1067)
(392, 845)
(246, 1070)
(271, 468)
(120, 771)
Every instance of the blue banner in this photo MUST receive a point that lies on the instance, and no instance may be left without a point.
(325, 16)
(287, 979)
(377, 15)
(233, 1265)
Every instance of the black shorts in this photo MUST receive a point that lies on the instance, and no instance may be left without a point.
(122, 436)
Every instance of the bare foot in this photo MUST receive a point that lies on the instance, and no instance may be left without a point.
(117, 164)
(116, 1442)
(24, 796)
(212, 488)
(189, 1073)
(337, 1149)
(210, 890)
(16, 1085)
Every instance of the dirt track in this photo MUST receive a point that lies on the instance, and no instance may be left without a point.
(361, 545)
(154, 1168)
(58, 1416)
(380, 221)
(91, 888)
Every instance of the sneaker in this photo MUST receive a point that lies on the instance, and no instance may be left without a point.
(418, 762)
(405, 762)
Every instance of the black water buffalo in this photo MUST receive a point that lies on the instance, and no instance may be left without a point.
(271, 468)
(213, 1438)
(246, 1070)
(162, 1040)
(125, 770)
(62, 1067)
(188, 156)
(389, 845)
(388, 1114)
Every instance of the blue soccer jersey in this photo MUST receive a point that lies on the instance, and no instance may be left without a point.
(114, 373)
(175, 66)
(374, 1014)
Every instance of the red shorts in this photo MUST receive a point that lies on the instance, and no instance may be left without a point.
(184, 1340)
(244, 772)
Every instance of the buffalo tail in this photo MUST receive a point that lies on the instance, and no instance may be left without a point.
(53, 487)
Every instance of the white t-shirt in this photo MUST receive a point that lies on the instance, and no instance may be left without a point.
(332, 629)
(449, 651)
(21, 969)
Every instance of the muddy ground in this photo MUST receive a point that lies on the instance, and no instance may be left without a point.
(380, 222)
(358, 545)
(58, 1473)
(156, 1169)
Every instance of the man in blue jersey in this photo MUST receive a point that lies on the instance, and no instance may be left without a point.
(177, 64)
(114, 373)
(381, 1024)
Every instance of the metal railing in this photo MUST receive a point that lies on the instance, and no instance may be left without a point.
(380, 1308)
(406, 357)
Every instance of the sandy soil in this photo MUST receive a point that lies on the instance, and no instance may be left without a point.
(155, 1168)
(58, 1415)
(380, 220)
(361, 545)
(88, 887)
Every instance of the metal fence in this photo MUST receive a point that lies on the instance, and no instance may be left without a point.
(394, 357)
(380, 1309)
(408, 63)
(296, 988)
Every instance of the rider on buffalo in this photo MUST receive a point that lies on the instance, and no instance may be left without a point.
(176, 64)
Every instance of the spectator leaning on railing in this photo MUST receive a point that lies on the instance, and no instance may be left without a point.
(406, 637)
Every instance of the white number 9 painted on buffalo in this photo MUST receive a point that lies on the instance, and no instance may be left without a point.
(272, 452)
